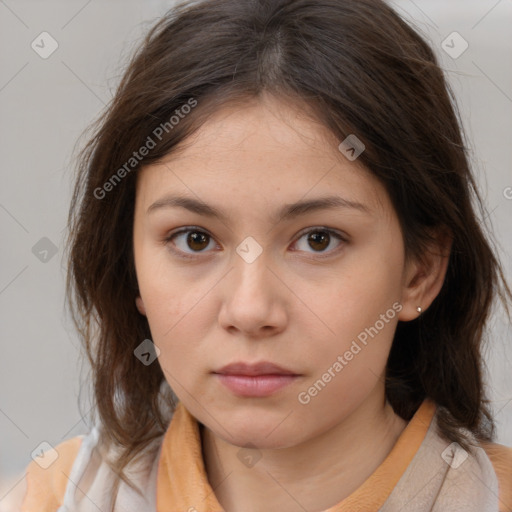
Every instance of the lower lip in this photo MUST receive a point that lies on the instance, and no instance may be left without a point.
(255, 386)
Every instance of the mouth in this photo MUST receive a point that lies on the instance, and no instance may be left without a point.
(255, 386)
(255, 380)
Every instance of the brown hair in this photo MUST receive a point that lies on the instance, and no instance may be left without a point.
(360, 69)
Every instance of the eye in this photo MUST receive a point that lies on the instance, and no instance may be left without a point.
(196, 239)
(320, 238)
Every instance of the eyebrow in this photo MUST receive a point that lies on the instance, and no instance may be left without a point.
(287, 212)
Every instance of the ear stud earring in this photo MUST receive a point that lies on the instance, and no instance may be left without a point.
(419, 310)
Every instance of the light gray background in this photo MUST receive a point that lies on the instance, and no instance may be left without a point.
(46, 103)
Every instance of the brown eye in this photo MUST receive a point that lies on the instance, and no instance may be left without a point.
(189, 241)
(197, 240)
(319, 240)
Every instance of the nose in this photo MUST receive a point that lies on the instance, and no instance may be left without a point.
(254, 299)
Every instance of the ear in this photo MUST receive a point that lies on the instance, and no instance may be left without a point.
(424, 276)
(140, 305)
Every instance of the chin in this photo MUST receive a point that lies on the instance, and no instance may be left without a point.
(263, 433)
(258, 440)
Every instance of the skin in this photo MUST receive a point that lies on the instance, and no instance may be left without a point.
(289, 306)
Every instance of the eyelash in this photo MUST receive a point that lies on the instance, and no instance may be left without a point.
(194, 229)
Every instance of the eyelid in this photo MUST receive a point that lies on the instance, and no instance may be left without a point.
(340, 235)
(167, 240)
(332, 231)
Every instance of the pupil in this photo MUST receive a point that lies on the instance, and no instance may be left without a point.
(195, 238)
(319, 237)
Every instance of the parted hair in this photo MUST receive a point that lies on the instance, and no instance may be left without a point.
(358, 68)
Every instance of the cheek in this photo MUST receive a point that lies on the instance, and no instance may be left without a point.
(162, 291)
(359, 311)
(371, 283)
(176, 330)
(163, 304)
(178, 315)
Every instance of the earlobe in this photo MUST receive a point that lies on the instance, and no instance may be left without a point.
(424, 280)
(140, 306)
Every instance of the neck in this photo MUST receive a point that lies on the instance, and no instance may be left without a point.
(314, 475)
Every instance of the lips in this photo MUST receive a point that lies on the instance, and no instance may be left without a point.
(257, 380)
(254, 369)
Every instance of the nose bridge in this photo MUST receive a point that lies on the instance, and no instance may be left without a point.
(251, 262)
(251, 302)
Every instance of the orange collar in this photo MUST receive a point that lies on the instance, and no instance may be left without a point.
(183, 486)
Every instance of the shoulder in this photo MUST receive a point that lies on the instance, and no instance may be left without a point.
(46, 476)
(501, 459)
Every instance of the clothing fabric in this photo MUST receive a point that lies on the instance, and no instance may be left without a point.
(423, 472)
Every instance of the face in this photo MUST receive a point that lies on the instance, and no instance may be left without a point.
(317, 292)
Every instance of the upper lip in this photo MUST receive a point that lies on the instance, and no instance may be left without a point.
(261, 368)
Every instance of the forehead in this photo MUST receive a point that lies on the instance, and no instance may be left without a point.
(267, 148)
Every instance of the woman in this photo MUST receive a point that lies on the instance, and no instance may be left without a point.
(274, 231)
